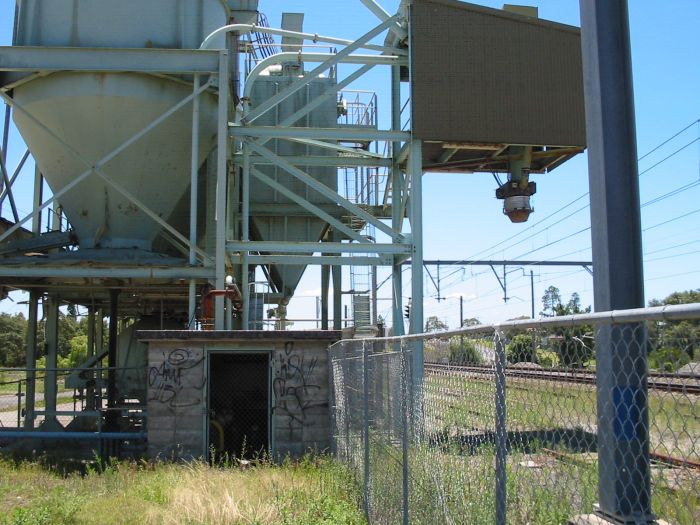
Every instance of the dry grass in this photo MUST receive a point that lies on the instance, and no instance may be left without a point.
(313, 491)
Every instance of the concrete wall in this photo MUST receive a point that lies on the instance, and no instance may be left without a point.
(177, 388)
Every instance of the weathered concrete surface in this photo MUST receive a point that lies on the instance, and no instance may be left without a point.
(178, 389)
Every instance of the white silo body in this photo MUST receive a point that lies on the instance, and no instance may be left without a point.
(96, 112)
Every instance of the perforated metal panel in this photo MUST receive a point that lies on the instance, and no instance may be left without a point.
(483, 75)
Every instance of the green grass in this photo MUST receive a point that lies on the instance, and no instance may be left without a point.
(314, 491)
(674, 420)
(543, 488)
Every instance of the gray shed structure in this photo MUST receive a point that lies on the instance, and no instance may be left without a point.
(241, 394)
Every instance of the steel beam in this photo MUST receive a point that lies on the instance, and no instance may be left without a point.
(343, 134)
(104, 60)
(316, 247)
(369, 161)
(382, 15)
(314, 260)
(15, 174)
(333, 146)
(39, 271)
(623, 422)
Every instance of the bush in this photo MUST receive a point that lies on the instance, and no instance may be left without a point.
(668, 359)
(464, 351)
(520, 349)
(546, 358)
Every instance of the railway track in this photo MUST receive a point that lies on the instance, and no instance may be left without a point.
(676, 383)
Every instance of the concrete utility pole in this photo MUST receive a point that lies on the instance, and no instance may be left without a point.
(623, 428)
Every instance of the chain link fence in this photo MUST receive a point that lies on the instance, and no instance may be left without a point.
(526, 422)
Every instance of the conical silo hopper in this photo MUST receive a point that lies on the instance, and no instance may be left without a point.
(95, 113)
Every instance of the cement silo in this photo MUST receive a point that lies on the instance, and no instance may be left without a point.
(96, 112)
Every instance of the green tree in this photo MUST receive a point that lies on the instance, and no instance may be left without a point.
(434, 324)
(574, 346)
(13, 330)
(674, 344)
(472, 321)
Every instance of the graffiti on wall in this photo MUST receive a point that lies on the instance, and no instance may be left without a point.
(179, 379)
(296, 380)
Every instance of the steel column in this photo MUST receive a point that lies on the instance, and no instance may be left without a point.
(221, 186)
(112, 394)
(396, 212)
(32, 320)
(325, 285)
(50, 374)
(194, 181)
(416, 209)
(623, 427)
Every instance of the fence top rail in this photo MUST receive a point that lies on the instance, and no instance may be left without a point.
(676, 312)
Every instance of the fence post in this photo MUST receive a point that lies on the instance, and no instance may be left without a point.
(19, 404)
(404, 434)
(500, 434)
(332, 405)
(365, 422)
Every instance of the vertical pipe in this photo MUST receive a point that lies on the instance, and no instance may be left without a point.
(32, 320)
(396, 189)
(112, 415)
(623, 427)
(194, 188)
(500, 426)
(245, 235)
(221, 177)
(50, 375)
(325, 285)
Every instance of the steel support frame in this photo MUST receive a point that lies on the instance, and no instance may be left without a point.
(214, 63)
(624, 472)
(253, 152)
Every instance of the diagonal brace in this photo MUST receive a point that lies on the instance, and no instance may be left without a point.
(310, 77)
(326, 191)
(307, 205)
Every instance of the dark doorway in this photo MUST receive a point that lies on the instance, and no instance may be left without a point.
(239, 401)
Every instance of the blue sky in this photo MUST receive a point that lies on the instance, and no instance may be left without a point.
(464, 220)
